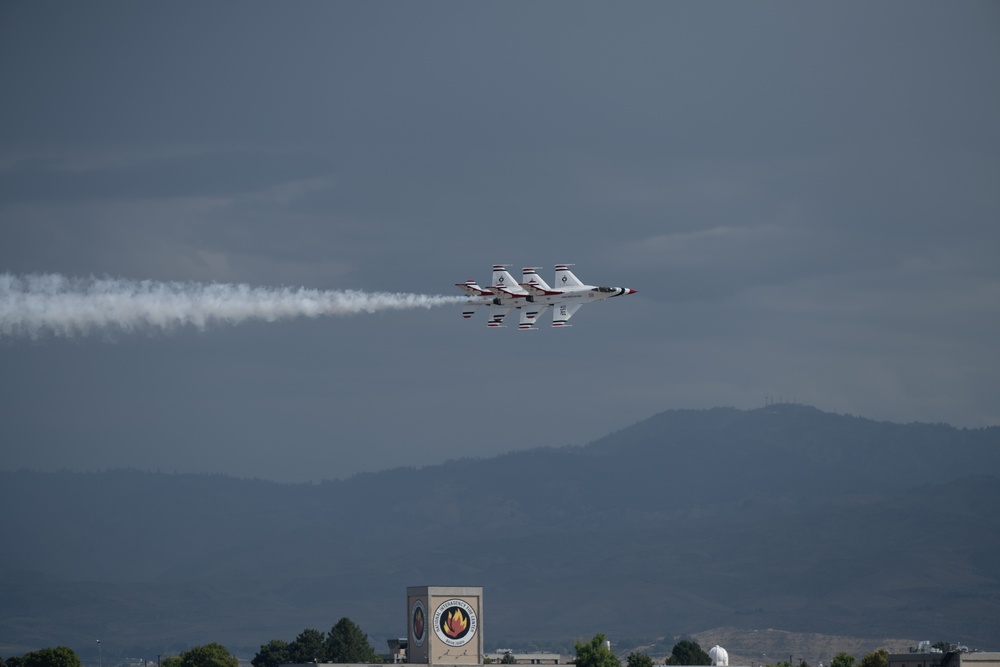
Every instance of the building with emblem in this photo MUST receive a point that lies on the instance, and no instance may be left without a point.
(444, 625)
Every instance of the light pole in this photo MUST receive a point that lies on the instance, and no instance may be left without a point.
(100, 652)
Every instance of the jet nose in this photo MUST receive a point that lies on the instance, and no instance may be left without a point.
(630, 291)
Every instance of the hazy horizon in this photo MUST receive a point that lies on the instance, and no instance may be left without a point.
(803, 195)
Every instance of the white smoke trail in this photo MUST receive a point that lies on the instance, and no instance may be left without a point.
(39, 304)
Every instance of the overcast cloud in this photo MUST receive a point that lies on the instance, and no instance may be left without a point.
(806, 196)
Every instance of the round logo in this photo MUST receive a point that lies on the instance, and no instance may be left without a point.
(455, 622)
(418, 622)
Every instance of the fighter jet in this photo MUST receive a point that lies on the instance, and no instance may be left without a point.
(502, 296)
(533, 295)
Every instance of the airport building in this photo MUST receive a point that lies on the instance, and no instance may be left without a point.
(944, 659)
(512, 658)
(444, 627)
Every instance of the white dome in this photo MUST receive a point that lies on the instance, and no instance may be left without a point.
(719, 656)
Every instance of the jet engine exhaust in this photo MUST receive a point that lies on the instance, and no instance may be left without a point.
(36, 305)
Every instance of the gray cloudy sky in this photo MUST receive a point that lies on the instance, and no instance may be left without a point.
(806, 196)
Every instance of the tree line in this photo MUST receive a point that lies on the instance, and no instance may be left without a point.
(208, 655)
(346, 643)
(597, 653)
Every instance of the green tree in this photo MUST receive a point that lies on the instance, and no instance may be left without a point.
(687, 652)
(208, 655)
(508, 659)
(877, 658)
(271, 654)
(60, 656)
(309, 646)
(638, 660)
(347, 643)
(170, 661)
(595, 653)
(842, 660)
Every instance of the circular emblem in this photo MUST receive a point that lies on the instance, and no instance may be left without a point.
(418, 623)
(455, 622)
(564, 279)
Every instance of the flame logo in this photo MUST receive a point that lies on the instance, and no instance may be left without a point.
(418, 623)
(456, 623)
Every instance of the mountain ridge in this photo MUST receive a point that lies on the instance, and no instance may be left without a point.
(689, 520)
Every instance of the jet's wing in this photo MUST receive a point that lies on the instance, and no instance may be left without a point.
(535, 290)
(472, 289)
(501, 291)
(562, 312)
(507, 291)
(529, 316)
(497, 313)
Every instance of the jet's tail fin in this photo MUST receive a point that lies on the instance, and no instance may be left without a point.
(565, 277)
(502, 278)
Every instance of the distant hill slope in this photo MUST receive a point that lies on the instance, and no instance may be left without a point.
(783, 517)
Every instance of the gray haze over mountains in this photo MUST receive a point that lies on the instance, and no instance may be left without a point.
(782, 517)
(804, 194)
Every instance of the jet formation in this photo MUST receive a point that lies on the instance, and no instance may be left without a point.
(533, 295)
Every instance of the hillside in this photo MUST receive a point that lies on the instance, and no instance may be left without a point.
(783, 517)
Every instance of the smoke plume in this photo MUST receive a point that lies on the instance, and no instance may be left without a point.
(50, 304)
